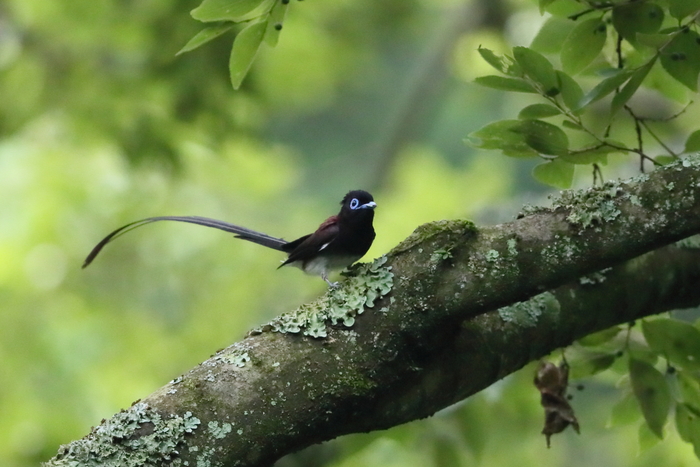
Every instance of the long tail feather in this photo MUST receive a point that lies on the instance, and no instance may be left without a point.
(240, 232)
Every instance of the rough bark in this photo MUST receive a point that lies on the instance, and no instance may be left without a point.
(436, 332)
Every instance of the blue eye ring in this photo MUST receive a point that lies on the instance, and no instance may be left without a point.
(355, 203)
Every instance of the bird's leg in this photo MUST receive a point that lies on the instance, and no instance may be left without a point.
(324, 276)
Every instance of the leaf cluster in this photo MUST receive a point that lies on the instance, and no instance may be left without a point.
(670, 344)
(622, 45)
(261, 19)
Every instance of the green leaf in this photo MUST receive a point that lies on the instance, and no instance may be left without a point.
(605, 87)
(631, 87)
(565, 8)
(639, 350)
(274, 23)
(544, 137)
(688, 426)
(572, 125)
(600, 337)
(535, 111)
(551, 35)
(571, 92)
(587, 363)
(652, 393)
(583, 45)
(653, 40)
(224, 10)
(204, 36)
(544, 4)
(595, 155)
(676, 340)
(556, 173)
(659, 80)
(624, 412)
(505, 84)
(501, 135)
(665, 160)
(634, 17)
(681, 8)
(692, 144)
(538, 69)
(689, 388)
(647, 438)
(496, 61)
(681, 58)
(243, 52)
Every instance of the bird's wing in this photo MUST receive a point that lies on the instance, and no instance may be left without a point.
(307, 247)
(240, 232)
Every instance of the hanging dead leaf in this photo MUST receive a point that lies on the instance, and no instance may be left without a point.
(552, 381)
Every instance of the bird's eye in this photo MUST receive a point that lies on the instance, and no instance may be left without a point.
(355, 203)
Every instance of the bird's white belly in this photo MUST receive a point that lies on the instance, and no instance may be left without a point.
(322, 265)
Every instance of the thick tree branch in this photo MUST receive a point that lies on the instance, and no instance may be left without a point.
(438, 336)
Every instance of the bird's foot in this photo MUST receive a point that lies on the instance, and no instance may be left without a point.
(332, 285)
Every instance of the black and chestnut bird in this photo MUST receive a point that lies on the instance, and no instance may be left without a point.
(338, 242)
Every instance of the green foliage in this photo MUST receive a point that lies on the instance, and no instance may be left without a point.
(621, 47)
(205, 35)
(244, 49)
(688, 425)
(661, 342)
(677, 341)
(692, 144)
(544, 137)
(652, 393)
(583, 44)
(585, 362)
(505, 84)
(228, 10)
(624, 412)
(629, 19)
(261, 20)
(503, 135)
(625, 94)
(680, 57)
(536, 111)
(600, 337)
(680, 9)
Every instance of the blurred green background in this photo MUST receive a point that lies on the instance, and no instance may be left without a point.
(100, 125)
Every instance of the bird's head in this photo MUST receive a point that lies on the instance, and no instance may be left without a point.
(357, 200)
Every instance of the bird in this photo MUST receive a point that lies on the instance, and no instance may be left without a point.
(338, 242)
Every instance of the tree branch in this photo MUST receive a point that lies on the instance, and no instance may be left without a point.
(440, 334)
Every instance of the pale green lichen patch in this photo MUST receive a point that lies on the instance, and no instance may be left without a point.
(529, 209)
(512, 250)
(219, 431)
(134, 437)
(562, 248)
(240, 359)
(527, 313)
(492, 256)
(441, 254)
(591, 207)
(236, 355)
(595, 278)
(366, 283)
(690, 160)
